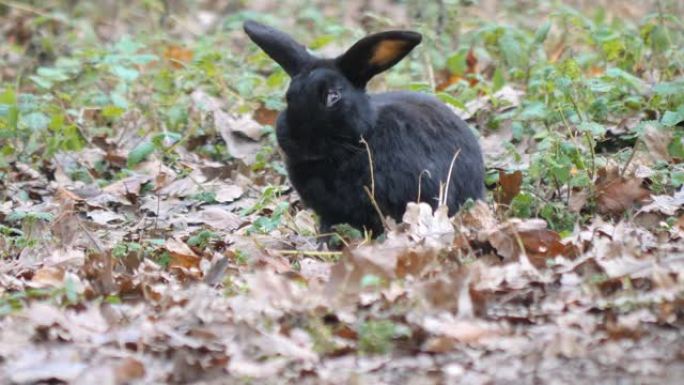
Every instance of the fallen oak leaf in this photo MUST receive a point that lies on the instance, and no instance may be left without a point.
(128, 187)
(217, 217)
(462, 330)
(657, 141)
(541, 244)
(238, 147)
(624, 266)
(448, 79)
(397, 257)
(241, 124)
(505, 237)
(63, 368)
(105, 217)
(442, 292)
(312, 269)
(177, 56)
(578, 199)
(48, 276)
(616, 194)
(228, 193)
(665, 204)
(434, 228)
(65, 196)
(439, 344)
(240, 133)
(181, 254)
(509, 186)
(265, 116)
(478, 218)
(243, 367)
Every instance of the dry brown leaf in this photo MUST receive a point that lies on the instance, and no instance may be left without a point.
(479, 217)
(509, 186)
(471, 69)
(623, 266)
(217, 217)
(44, 366)
(434, 228)
(301, 348)
(243, 125)
(656, 141)
(271, 291)
(161, 174)
(442, 292)
(241, 367)
(105, 217)
(396, 257)
(305, 222)
(625, 125)
(128, 187)
(116, 157)
(439, 344)
(240, 133)
(578, 198)
(312, 269)
(177, 56)
(238, 147)
(411, 259)
(18, 32)
(129, 369)
(41, 314)
(665, 204)
(265, 116)
(183, 187)
(393, 292)
(67, 227)
(181, 254)
(505, 238)
(227, 193)
(445, 79)
(48, 276)
(467, 331)
(541, 245)
(507, 97)
(616, 194)
(595, 71)
(63, 195)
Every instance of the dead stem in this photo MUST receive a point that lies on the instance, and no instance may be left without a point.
(448, 181)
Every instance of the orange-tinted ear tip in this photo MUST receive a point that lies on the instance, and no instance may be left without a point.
(387, 51)
(376, 53)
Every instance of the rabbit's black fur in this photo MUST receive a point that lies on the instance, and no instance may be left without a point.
(408, 133)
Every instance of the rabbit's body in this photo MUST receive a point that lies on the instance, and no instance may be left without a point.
(409, 134)
(412, 137)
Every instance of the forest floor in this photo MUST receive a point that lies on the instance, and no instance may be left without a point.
(149, 234)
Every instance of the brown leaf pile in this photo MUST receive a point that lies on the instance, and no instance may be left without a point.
(472, 299)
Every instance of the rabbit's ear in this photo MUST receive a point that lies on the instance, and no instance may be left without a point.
(376, 53)
(289, 54)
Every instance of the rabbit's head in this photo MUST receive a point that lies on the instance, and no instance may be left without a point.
(327, 96)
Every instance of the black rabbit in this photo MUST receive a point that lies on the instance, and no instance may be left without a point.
(331, 123)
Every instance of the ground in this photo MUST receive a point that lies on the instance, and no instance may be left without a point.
(149, 234)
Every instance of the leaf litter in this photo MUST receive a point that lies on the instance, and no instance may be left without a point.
(531, 304)
(202, 274)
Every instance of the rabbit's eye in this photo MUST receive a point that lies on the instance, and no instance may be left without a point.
(332, 97)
